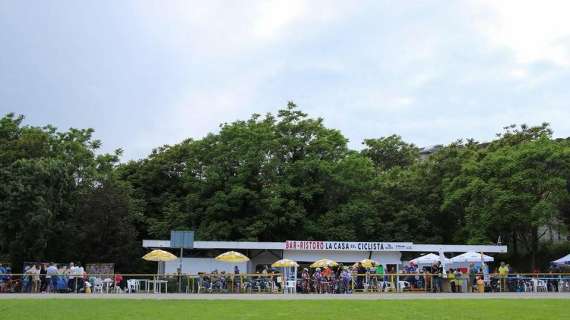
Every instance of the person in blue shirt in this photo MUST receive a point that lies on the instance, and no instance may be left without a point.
(4, 274)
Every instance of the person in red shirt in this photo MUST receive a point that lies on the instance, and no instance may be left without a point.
(118, 280)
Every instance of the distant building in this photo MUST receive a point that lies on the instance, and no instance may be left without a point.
(425, 152)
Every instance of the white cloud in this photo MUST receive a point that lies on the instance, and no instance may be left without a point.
(535, 31)
(274, 16)
(226, 28)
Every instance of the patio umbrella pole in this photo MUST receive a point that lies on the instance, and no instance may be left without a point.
(180, 272)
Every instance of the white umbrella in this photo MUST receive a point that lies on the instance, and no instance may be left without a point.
(429, 258)
(443, 260)
(563, 260)
(472, 257)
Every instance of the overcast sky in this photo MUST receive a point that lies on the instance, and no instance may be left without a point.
(147, 73)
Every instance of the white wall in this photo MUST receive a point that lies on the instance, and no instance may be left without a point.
(195, 265)
(384, 257)
(387, 257)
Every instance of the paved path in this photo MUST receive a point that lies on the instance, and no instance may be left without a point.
(385, 296)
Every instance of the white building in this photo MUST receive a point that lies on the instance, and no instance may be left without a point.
(201, 258)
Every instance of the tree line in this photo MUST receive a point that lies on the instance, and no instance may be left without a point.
(277, 177)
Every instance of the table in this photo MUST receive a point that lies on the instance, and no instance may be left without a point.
(159, 283)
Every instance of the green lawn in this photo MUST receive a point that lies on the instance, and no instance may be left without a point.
(317, 309)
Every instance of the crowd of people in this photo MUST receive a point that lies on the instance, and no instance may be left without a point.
(49, 277)
(342, 279)
(53, 278)
(73, 278)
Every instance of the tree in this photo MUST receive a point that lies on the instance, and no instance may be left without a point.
(265, 178)
(105, 232)
(272, 178)
(43, 173)
(389, 152)
(513, 191)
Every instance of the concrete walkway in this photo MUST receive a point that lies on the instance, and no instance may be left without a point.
(362, 296)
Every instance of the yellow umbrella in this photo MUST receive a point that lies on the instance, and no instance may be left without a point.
(324, 263)
(159, 255)
(232, 256)
(284, 263)
(366, 263)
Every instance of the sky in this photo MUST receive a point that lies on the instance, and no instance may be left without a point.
(148, 73)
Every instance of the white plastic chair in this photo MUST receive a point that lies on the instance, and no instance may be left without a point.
(403, 285)
(527, 286)
(541, 286)
(107, 284)
(132, 286)
(98, 286)
(291, 286)
(387, 286)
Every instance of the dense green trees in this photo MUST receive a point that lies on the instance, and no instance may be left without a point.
(48, 183)
(513, 188)
(272, 178)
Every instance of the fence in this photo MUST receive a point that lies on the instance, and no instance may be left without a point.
(276, 283)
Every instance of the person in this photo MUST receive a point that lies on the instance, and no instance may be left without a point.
(437, 272)
(503, 274)
(264, 272)
(480, 285)
(52, 277)
(345, 280)
(317, 279)
(28, 278)
(459, 281)
(80, 276)
(63, 279)
(236, 279)
(306, 280)
(451, 278)
(72, 284)
(380, 272)
(43, 278)
(472, 276)
(35, 272)
(361, 271)
(373, 276)
(223, 278)
(87, 285)
(2, 272)
(485, 271)
(326, 279)
(118, 281)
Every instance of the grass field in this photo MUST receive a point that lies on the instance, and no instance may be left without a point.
(61, 309)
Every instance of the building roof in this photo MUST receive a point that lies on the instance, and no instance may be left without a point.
(250, 245)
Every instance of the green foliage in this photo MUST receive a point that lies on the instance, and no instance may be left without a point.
(512, 189)
(272, 178)
(389, 152)
(46, 180)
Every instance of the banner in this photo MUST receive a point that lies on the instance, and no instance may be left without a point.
(100, 269)
(347, 246)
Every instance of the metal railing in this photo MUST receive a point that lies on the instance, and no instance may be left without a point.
(277, 283)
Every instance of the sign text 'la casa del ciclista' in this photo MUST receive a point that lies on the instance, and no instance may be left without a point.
(347, 246)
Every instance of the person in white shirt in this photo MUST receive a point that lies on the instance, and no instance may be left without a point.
(71, 284)
(35, 271)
